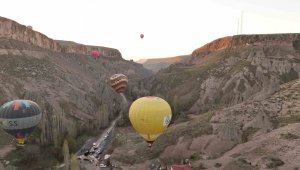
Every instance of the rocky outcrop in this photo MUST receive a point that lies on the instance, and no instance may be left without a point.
(239, 41)
(235, 105)
(260, 134)
(156, 64)
(225, 75)
(72, 89)
(72, 47)
(12, 30)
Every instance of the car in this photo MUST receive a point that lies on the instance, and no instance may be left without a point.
(102, 165)
(98, 151)
(82, 157)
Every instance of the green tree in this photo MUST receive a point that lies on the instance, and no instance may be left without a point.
(74, 163)
(66, 155)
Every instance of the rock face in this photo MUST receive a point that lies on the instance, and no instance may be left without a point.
(247, 40)
(12, 30)
(261, 134)
(270, 130)
(236, 104)
(229, 71)
(72, 89)
(156, 64)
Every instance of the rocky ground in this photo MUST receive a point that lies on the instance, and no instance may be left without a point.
(257, 134)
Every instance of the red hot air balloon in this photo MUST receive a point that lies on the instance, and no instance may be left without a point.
(142, 36)
(95, 54)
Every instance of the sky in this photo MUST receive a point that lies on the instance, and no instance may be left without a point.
(170, 27)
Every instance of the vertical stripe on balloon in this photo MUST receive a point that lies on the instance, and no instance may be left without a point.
(27, 104)
(16, 105)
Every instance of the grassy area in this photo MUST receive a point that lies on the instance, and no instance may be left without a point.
(43, 157)
(32, 156)
(5, 138)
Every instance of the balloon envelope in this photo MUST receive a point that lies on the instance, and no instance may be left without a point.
(19, 117)
(95, 54)
(150, 116)
(119, 82)
(142, 36)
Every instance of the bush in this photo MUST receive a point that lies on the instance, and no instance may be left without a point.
(289, 136)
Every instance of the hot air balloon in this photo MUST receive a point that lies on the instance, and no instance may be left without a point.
(95, 54)
(150, 117)
(19, 117)
(118, 82)
(142, 36)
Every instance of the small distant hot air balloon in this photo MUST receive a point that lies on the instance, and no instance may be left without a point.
(142, 36)
(150, 117)
(19, 118)
(118, 82)
(95, 54)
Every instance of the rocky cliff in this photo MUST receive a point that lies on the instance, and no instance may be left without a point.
(247, 40)
(12, 30)
(229, 71)
(156, 64)
(72, 89)
(235, 105)
(255, 135)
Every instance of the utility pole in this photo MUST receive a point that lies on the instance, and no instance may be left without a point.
(242, 22)
(238, 26)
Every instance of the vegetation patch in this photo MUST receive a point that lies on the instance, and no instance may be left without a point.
(239, 66)
(291, 75)
(289, 136)
(5, 138)
(230, 87)
(218, 165)
(195, 157)
(248, 132)
(283, 121)
(275, 162)
(3, 97)
(241, 163)
(65, 106)
(241, 86)
(34, 157)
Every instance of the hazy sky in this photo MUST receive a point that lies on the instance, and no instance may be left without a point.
(171, 27)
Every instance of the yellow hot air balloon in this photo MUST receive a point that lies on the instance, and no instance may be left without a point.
(150, 116)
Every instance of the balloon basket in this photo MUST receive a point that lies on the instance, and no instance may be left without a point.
(19, 146)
